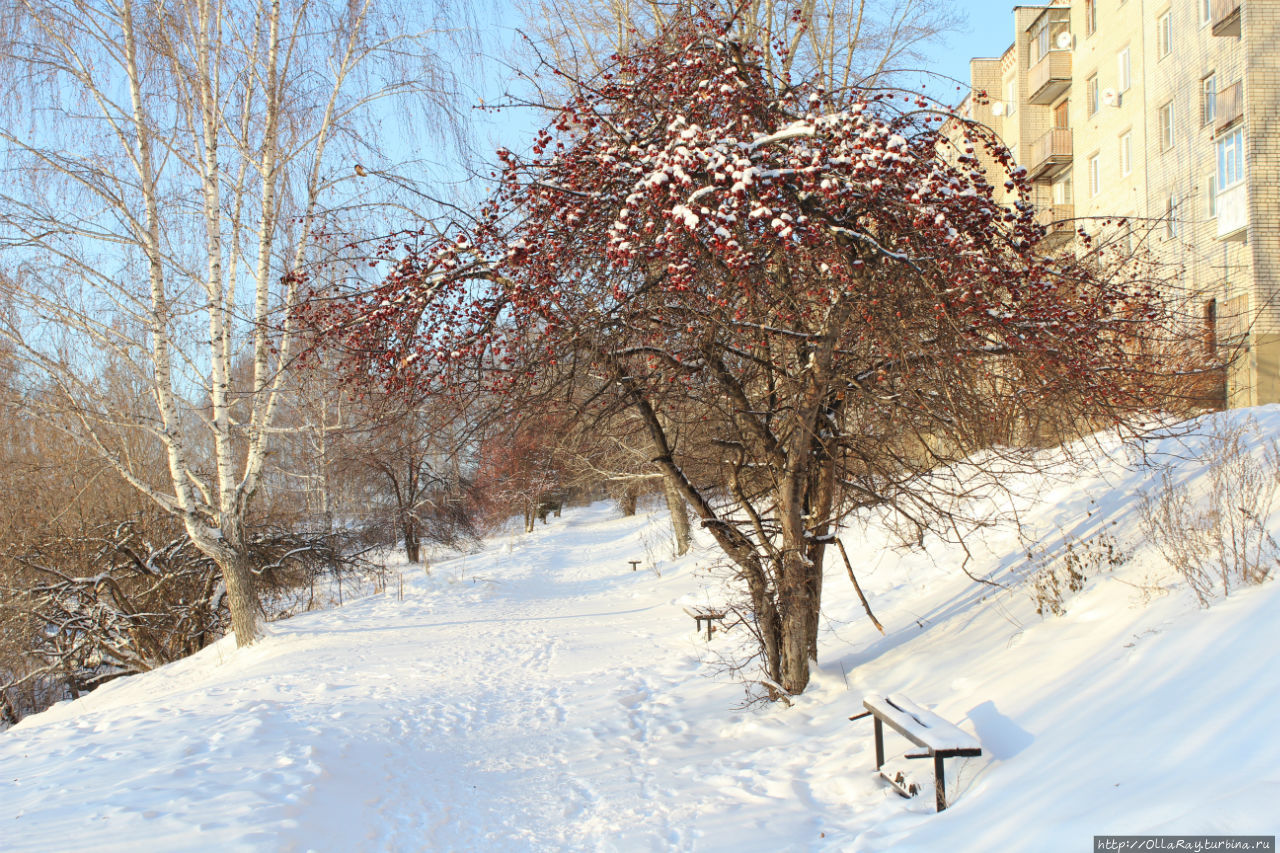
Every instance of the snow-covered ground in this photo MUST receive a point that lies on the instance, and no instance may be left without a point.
(540, 695)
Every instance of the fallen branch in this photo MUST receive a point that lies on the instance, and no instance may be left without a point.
(863, 598)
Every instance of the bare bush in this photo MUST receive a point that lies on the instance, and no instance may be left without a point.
(1058, 575)
(1220, 542)
(79, 610)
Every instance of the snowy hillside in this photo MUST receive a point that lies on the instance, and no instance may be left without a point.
(540, 695)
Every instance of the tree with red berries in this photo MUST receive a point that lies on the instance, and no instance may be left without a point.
(807, 304)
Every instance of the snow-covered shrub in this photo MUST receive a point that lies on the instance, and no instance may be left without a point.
(82, 608)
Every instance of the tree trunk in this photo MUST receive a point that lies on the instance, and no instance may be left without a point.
(231, 553)
(820, 503)
(627, 501)
(795, 605)
(679, 516)
(768, 624)
(813, 580)
(8, 713)
(69, 677)
(412, 542)
(528, 519)
(242, 596)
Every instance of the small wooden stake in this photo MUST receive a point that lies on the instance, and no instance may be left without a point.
(634, 564)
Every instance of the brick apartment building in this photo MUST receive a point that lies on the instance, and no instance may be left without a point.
(1165, 112)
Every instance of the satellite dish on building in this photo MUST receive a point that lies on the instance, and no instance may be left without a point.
(1064, 40)
(997, 109)
(1111, 97)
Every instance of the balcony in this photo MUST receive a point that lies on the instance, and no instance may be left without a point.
(1050, 154)
(1228, 107)
(1058, 220)
(1233, 213)
(1226, 17)
(1050, 77)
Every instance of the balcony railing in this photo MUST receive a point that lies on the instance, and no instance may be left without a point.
(1226, 17)
(1050, 154)
(1228, 107)
(1050, 77)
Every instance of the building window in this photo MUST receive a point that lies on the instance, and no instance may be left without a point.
(1164, 35)
(1166, 126)
(1213, 196)
(1062, 190)
(1091, 17)
(1091, 93)
(1011, 97)
(1172, 226)
(1230, 160)
(1095, 175)
(1122, 66)
(1126, 153)
(1206, 11)
(1042, 40)
(1208, 99)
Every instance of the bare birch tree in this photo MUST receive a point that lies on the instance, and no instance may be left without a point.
(171, 170)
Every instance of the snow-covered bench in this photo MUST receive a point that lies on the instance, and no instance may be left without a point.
(707, 615)
(922, 727)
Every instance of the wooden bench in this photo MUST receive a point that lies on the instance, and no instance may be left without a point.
(708, 616)
(940, 739)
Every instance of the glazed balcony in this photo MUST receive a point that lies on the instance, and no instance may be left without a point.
(1233, 213)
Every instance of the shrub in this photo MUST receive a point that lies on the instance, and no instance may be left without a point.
(1220, 542)
(1057, 576)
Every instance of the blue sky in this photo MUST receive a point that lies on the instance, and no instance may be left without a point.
(989, 32)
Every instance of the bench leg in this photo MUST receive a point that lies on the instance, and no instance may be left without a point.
(879, 742)
(939, 782)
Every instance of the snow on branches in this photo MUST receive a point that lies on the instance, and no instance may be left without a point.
(684, 181)
(807, 298)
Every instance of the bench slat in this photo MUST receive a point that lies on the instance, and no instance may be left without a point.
(921, 726)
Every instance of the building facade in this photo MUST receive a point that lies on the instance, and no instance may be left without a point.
(1164, 113)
